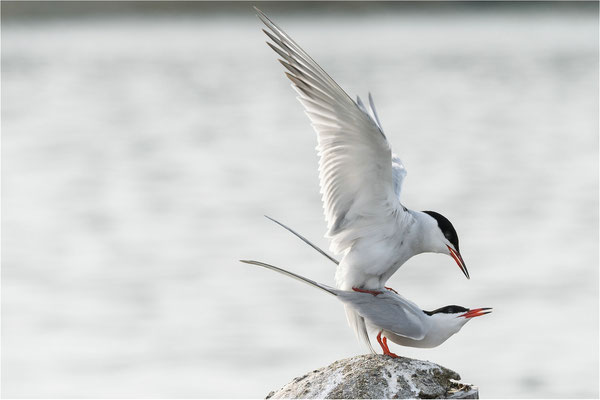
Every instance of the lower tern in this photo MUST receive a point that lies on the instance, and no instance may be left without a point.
(361, 181)
(394, 317)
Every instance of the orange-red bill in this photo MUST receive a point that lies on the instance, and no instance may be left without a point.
(476, 312)
(459, 260)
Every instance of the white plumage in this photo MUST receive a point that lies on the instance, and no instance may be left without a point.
(360, 179)
(394, 316)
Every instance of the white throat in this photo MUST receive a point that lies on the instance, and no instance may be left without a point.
(428, 237)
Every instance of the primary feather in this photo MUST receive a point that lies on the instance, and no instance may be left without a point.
(360, 189)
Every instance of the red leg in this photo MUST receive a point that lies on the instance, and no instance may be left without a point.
(389, 288)
(384, 346)
(379, 341)
(373, 292)
(387, 351)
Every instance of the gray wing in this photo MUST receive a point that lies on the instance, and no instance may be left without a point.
(360, 327)
(388, 311)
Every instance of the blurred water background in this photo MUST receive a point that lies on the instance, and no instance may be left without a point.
(142, 144)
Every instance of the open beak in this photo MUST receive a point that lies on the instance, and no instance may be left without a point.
(459, 260)
(476, 312)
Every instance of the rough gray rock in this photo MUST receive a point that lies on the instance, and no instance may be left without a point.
(375, 376)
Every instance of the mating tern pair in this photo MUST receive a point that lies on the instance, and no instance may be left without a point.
(395, 317)
(361, 181)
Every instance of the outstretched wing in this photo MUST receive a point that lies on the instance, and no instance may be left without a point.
(358, 186)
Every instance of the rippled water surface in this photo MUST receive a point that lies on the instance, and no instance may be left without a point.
(140, 154)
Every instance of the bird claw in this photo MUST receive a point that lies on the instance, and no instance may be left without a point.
(387, 351)
(390, 289)
(383, 343)
(392, 355)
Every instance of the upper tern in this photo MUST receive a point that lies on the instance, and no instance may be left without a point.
(360, 180)
(395, 317)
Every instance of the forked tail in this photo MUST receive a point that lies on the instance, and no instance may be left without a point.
(305, 240)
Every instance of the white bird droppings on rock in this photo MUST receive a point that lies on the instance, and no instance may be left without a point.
(378, 376)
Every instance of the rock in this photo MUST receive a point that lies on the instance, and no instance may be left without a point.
(375, 376)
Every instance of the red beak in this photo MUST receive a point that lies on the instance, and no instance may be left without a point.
(459, 260)
(476, 312)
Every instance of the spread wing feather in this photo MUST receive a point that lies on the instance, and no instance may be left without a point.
(360, 181)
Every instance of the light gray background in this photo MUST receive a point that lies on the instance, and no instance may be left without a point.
(142, 145)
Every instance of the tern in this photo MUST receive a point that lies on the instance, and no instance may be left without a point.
(361, 181)
(394, 317)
